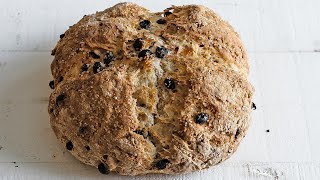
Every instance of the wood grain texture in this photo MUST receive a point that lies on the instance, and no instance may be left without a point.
(248, 171)
(265, 25)
(284, 45)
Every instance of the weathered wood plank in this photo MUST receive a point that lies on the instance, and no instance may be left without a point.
(269, 25)
(228, 171)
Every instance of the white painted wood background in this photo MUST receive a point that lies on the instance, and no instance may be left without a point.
(283, 40)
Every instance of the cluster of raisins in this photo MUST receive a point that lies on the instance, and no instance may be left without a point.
(98, 66)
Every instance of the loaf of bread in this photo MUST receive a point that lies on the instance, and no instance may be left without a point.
(136, 92)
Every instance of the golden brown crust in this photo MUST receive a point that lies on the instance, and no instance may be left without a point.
(125, 116)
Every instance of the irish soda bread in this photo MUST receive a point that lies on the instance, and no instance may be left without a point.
(137, 92)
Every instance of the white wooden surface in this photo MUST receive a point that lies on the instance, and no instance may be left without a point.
(283, 40)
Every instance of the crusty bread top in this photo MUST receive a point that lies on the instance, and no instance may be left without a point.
(125, 115)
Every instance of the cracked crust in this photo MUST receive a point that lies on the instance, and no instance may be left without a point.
(125, 117)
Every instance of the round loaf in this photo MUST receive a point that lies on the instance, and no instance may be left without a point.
(137, 92)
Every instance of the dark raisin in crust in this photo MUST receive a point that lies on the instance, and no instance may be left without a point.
(51, 84)
(97, 67)
(105, 157)
(161, 52)
(145, 24)
(53, 52)
(108, 58)
(237, 133)
(162, 164)
(144, 53)
(60, 79)
(137, 45)
(169, 83)
(161, 21)
(60, 99)
(140, 132)
(69, 145)
(103, 169)
(167, 13)
(62, 36)
(202, 118)
(82, 129)
(85, 67)
(94, 55)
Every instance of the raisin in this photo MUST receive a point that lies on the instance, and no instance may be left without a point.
(98, 67)
(141, 104)
(145, 24)
(169, 83)
(108, 58)
(85, 67)
(137, 45)
(60, 79)
(140, 132)
(94, 55)
(69, 145)
(87, 148)
(237, 133)
(51, 84)
(103, 169)
(60, 99)
(53, 52)
(167, 13)
(162, 164)
(145, 53)
(105, 157)
(161, 52)
(253, 106)
(161, 21)
(202, 118)
(82, 129)
(62, 36)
